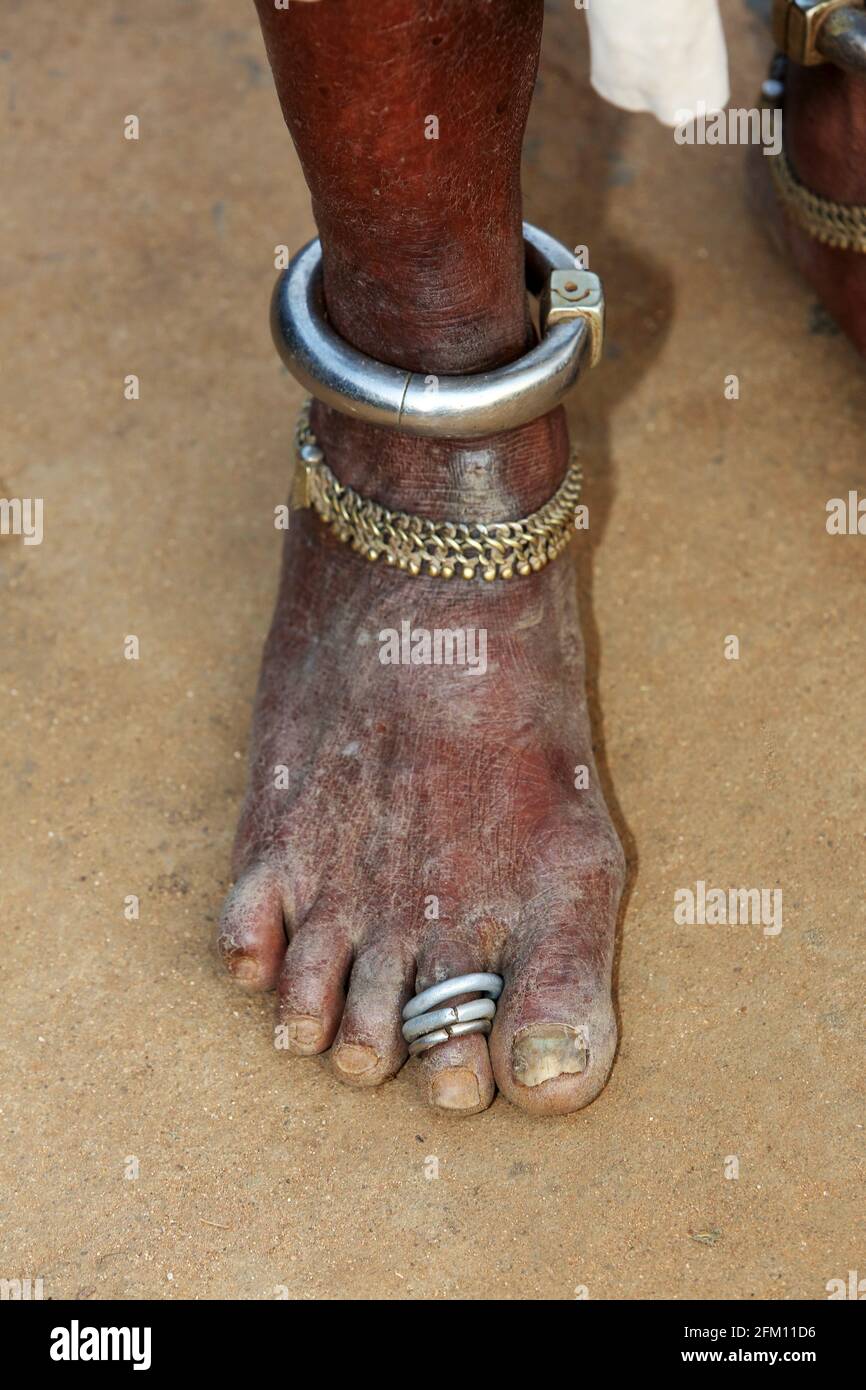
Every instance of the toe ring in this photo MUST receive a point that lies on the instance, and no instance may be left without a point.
(440, 1018)
(425, 1025)
(454, 1030)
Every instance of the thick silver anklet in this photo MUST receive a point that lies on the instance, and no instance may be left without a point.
(571, 312)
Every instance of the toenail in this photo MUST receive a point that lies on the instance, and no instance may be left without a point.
(455, 1088)
(548, 1050)
(355, 1059)
(245, 970)
(304, 1029)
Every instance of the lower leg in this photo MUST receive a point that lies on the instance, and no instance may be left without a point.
(409, 785)
(824, 123)
(416, 231)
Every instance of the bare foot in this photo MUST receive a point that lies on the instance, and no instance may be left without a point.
(427, 824)
(824, 122)
(413, 790)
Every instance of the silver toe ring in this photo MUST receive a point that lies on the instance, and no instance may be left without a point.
(425, 1025)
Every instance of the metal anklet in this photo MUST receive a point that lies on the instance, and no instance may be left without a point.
(822, 31)
(440, 549)
(425, 1025)
(571, 314)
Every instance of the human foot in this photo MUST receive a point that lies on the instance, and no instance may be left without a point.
(430, 825)
(824, 123)
(431, 820)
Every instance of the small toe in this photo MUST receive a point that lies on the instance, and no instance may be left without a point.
(369, 1046)
(312, 986)
(457, 1074)
(251, 935)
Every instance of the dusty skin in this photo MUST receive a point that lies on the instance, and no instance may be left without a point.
(124, 1038)
(405, 781)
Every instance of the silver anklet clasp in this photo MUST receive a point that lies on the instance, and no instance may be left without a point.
(822, 31)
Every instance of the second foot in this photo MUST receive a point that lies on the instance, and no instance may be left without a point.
(824, 123)
(407, 823)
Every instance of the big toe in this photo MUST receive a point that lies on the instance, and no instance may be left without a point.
(555, 1034)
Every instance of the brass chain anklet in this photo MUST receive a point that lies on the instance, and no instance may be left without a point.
(840, 225)
(440, 549)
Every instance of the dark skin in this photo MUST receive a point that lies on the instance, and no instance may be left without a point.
(411, 227)
(824, 118)
(409, 783)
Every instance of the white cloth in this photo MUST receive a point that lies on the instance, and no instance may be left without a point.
(663, 56)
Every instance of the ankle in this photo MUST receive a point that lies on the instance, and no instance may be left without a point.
(419, 299)
(500, 478)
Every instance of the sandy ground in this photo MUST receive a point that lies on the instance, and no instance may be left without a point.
(121, 1039)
